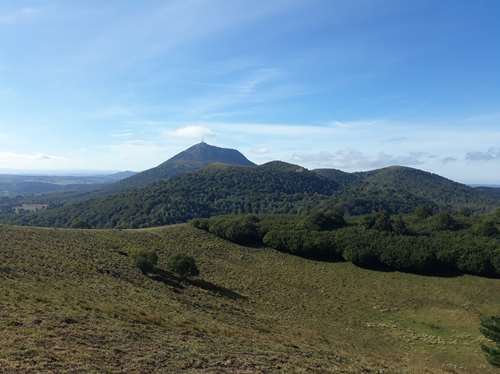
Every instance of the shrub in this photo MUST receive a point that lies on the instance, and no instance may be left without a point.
(238, 229)
(201, 223)
(184, 266)
(490, 328)
(146, 261)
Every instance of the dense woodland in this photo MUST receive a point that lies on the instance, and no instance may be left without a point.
(273, 188)
(422, 242)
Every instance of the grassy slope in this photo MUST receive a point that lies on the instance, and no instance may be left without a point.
(71, 302)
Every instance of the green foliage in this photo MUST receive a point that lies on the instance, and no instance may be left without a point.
(486, 228)
(146, 261)
(325, 220)
(423, 212)
(316, 245)
(79, 224)
(184, 266)
(444, 222)
(490, 328)
(377, 241)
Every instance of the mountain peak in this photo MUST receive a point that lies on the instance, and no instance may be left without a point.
(192, 159)
(206, 153)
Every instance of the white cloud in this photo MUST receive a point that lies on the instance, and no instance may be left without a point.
(350, 159)
(191, 132)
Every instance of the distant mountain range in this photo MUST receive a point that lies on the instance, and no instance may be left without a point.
(14, 185)
(205, 180)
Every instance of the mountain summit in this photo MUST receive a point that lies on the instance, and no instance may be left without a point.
(192, 159)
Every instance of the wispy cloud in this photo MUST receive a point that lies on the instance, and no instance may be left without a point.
(20, 15)
(191, 132)
(491, 154)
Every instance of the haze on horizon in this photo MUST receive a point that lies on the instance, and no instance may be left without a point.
(354, 85)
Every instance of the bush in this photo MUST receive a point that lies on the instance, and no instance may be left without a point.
(201, 223)
(184, 266)
(146, 261)
(490, 328)
(238, 229)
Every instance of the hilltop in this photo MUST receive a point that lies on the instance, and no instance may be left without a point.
(192, 159)
(72, 301)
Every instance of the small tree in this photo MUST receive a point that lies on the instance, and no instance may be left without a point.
(146, 261)
(184, 266)
(490, 328)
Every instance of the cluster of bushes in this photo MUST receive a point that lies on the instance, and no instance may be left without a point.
(434, 254)
(238, 229)
(182, 265)
(376, 241)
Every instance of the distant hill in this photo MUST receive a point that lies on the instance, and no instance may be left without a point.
(192, 159)
(15, 185)
(398, 188)
(205, 180)
(276, 187)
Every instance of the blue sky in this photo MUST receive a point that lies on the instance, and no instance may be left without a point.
(355, 85)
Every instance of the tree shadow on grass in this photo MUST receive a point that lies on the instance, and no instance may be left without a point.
(164, 277)
(178, 283)
(218, 290)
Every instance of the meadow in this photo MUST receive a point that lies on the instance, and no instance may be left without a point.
(72, 301)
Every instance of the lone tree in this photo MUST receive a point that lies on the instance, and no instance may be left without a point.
(490, 328)
(146, 261)
(183, 266)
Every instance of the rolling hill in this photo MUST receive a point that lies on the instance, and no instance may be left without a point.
(205, 180)
(275, 187)
(72, 301)
(192, 159)
(401, 189)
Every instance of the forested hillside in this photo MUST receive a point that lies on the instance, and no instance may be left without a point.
(275, 187)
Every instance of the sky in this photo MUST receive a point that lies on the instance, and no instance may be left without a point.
(353, 85)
